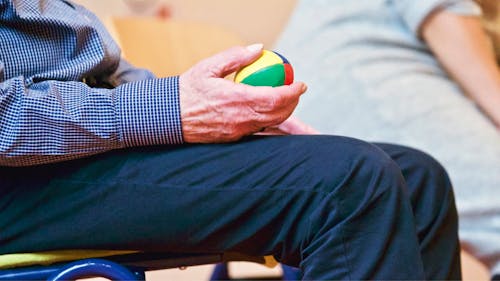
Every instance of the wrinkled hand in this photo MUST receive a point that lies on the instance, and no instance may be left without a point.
(214, 109)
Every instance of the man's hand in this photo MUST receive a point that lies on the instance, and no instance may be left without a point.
(214, 109)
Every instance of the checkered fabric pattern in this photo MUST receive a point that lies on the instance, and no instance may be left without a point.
(48, 49)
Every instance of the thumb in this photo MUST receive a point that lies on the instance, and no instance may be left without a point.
(231, 60)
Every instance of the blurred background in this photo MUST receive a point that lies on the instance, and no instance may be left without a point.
(168, 36)
(255, 21)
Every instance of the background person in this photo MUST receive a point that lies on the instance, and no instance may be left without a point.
(420, 73)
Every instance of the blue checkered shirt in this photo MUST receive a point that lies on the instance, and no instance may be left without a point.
(65, 93)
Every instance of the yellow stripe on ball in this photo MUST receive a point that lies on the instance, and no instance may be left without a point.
(266, 59)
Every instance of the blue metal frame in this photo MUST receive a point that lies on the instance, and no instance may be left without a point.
(115, 271)
(75, 270)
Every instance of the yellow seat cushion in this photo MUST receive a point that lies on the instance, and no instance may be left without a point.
(8, 261)
(51, 257)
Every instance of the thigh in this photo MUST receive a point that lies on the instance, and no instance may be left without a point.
(180, 198)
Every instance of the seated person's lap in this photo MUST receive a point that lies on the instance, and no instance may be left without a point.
(150, 198)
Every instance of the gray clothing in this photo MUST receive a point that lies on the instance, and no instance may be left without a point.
(371, 77)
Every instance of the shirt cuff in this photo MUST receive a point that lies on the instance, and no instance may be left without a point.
(416, 12)
(149, 112)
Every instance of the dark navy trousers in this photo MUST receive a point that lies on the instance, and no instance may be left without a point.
(336, 207)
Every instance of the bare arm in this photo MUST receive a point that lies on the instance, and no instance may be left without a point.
(463, 48)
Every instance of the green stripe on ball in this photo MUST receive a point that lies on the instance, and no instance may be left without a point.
(273, 75)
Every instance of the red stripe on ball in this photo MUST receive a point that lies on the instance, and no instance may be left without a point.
(288, 74)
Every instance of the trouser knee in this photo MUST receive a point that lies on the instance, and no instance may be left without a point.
(362, 181)
(367, 171)
(365, 207)
(427, 181)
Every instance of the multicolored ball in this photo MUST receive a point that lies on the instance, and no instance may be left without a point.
(271, 69)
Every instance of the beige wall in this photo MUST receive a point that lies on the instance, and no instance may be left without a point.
(254, 21)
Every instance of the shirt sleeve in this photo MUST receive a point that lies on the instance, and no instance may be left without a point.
(414, 12)
(53, 121)
(126, 72)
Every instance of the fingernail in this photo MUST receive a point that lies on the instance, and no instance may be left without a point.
(304, 87)
(255, 47)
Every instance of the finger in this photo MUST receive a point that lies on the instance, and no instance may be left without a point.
(230, 60)
(295, 126)
(272, 131)
(266, 99)
(274, 117)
